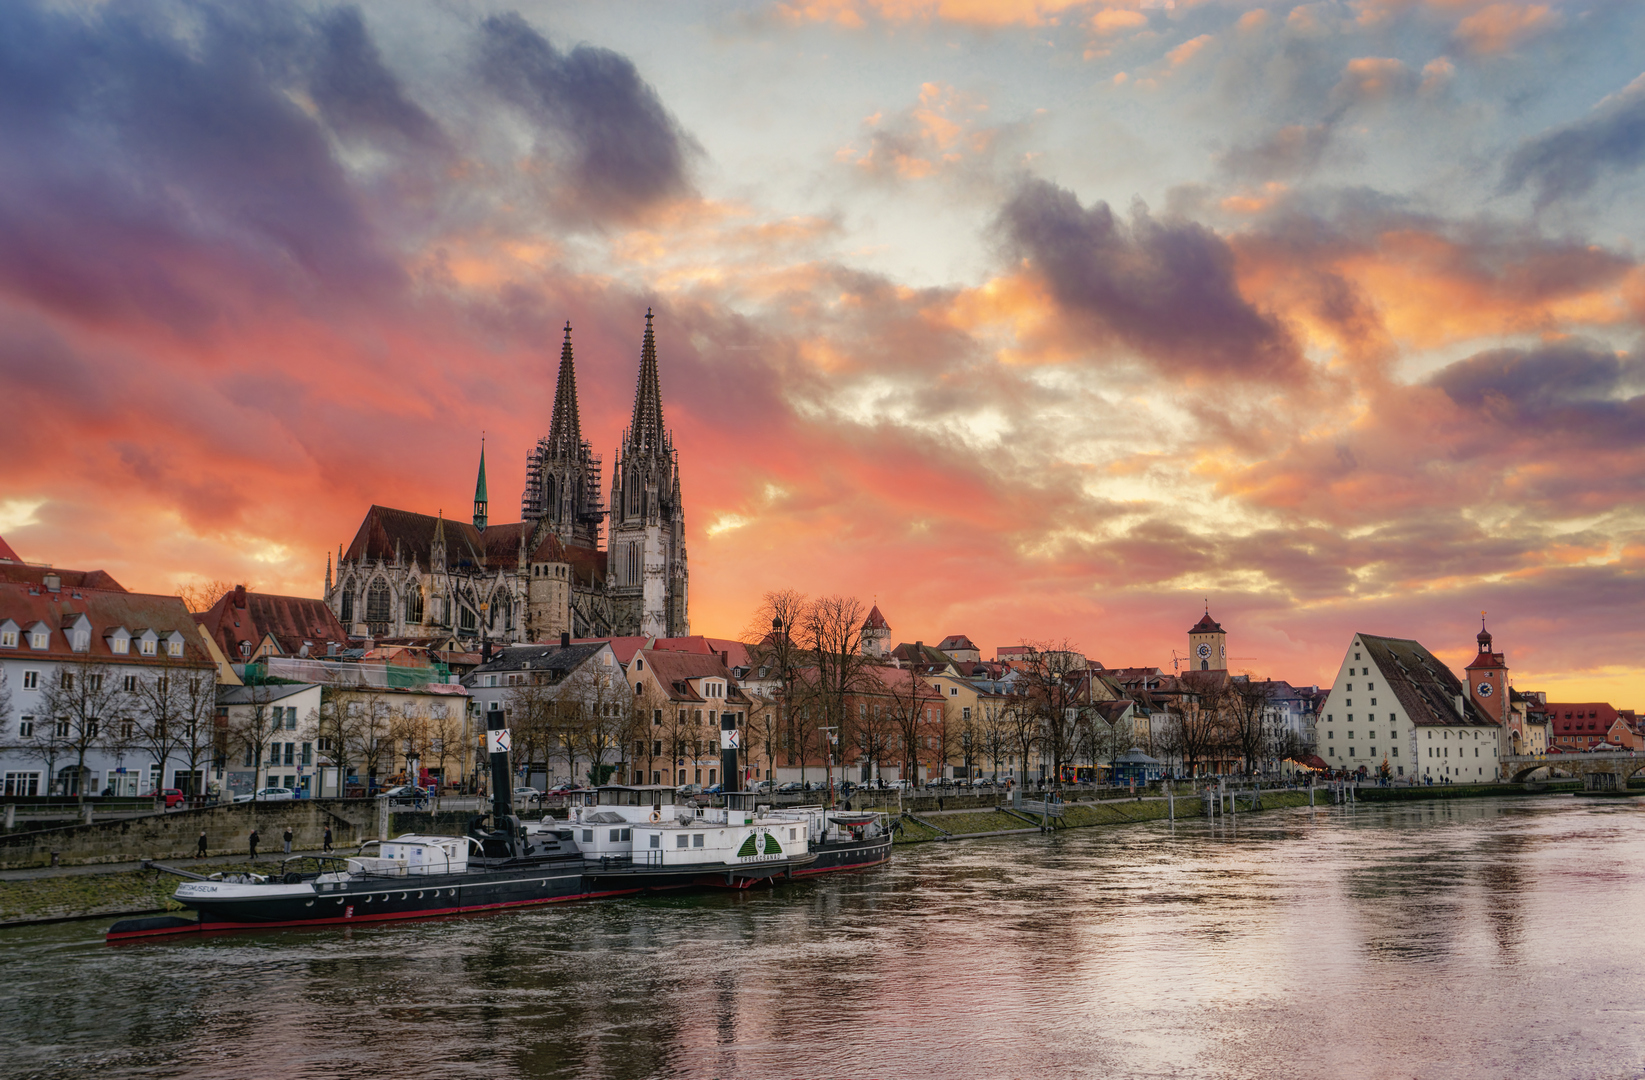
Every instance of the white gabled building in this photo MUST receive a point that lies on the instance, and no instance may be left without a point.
(1395, 704)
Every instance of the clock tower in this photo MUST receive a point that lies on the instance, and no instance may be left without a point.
(1207, 645)
(1488, 678)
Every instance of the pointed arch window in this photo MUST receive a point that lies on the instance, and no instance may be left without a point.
(348, 604)
(414, 605)
(377, 603)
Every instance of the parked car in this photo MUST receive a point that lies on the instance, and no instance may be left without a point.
(713, 789)
(790, 788)
(174, 797)
(761, 787)
(268, 794)
(689, 789)
(527, 795)
(405, 793)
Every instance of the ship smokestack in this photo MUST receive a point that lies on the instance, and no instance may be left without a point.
(730, 773)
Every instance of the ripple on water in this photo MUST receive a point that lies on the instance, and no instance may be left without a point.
(1479, 939)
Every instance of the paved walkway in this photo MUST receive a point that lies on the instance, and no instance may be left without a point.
(266, 863)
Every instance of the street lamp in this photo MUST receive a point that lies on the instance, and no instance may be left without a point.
(828, 736)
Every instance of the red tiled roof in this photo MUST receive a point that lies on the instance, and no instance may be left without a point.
(699, 644)
(106, 611)
(1487, 660)
(22, 573)
(1206, 625)
(6, 552)
(673, 670)
(955, 641)
(875, 620)
(290, 620)
(623, 647)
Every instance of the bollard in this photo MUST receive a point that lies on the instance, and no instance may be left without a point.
(1310, 791)
(1170, 803)
(85, 813)
(11, 816)
(382, 819)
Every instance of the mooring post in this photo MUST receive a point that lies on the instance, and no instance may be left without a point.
(11, 816)
(85, 813)
(382, 818)
(1310, 790)
(1170, 806)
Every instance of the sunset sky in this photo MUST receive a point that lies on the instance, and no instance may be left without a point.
(1030, 319)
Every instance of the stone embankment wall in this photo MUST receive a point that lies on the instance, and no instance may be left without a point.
(175, 835)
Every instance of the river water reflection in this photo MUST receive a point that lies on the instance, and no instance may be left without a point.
(1468, 939)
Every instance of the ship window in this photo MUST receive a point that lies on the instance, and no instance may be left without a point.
(628, 835)
(588, 836)
(696, 839)
(679, 841)
(656, 840)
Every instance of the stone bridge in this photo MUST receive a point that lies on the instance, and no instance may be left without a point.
(1605, 771)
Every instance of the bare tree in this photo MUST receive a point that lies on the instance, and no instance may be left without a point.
(1022, 726)
(255, 730)
(445, 733)
(164, 709)
(339, 731)
(1244, 703)
(5, 705)
(1050, 674)
(373, 715)
(832, 629)
(86, 707)
(776, 656)
(909, 698)
(202, 595)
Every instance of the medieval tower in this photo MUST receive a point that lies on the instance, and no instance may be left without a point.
(646, 544)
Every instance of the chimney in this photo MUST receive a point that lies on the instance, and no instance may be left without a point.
(53, 583)
(565, 639)
(240, 597)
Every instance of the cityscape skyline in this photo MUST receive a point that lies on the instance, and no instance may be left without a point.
(1051, 321)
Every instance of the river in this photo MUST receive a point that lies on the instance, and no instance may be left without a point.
(1485, 938)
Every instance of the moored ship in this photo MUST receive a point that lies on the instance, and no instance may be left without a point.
(631, 840)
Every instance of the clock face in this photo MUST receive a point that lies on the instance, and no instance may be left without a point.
(1204, 651)
(1484, 689)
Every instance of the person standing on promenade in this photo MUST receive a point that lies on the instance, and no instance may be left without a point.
(326, 843)
(200, 851)
(253, 843)
(287, 839)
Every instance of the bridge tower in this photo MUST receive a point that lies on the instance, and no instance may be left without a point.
(1488, 678)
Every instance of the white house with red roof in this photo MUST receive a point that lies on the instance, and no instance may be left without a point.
(101, 649)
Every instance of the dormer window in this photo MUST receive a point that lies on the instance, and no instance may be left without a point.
(80, 640)
(8, 635)
(174, 646)
(40, 638)
(120, 646)
(147, 647)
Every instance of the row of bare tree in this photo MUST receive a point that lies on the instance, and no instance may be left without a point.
(165, 712)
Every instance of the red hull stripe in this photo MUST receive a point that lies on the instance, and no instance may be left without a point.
(427, 913)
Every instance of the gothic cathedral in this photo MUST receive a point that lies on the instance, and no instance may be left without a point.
(408, 577)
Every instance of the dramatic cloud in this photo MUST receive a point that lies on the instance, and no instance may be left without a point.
(1567, 161)
(262, 266)
(627, 152)
(1165, 288)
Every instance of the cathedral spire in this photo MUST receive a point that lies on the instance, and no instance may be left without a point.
(480, 490)
(645, 433)
(565, 430)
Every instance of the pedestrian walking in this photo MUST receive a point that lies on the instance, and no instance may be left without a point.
(327, 841)
(253, 842)
(287, 839)
(200, 853)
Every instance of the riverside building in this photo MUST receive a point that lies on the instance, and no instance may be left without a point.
(1397, 710)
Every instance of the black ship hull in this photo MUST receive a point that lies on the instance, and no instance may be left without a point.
(855, 855)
